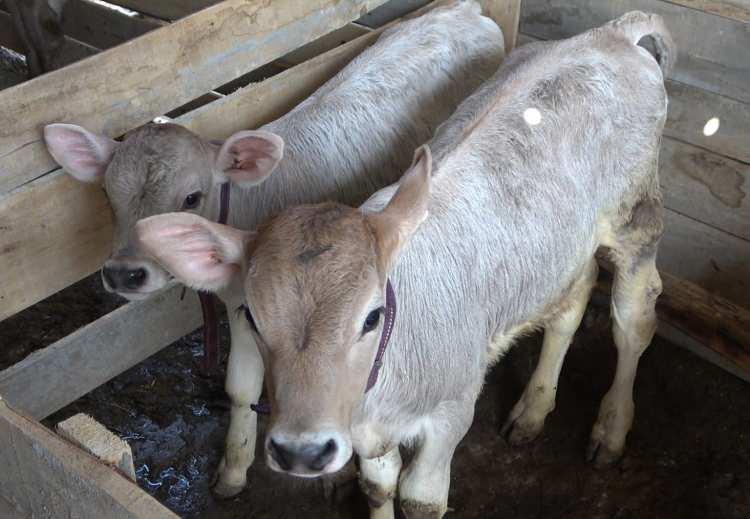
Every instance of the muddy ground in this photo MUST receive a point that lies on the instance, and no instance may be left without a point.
(688, 454)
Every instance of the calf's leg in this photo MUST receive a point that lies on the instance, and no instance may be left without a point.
(526, 419)
(243, 385)
(634, 292)
(378, 478)
(424, 485)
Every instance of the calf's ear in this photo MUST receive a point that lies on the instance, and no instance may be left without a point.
(199, 253)
(83, 154)
(407, 209)
(249, 157)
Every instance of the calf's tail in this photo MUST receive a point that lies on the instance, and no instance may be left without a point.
(635, 25)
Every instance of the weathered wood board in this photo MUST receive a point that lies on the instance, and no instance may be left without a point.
(712, 50)
(45, 476)
(690, 108)
(186, 59)
(734, 9)
(706, 256)
(51, 378)
(706, 187)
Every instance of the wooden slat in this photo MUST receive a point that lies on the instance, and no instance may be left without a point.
(51, 378)
(712, 50)
(708, 257)
(165, 9)
(101, 27)
(44, 476)
(734, 9)
(706, 186)
(35, 225)
(689, 110)
(56, 231)
(506, 13)
(118, 89)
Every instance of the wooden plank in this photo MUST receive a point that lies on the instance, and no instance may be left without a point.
(45, 476)
(706, 187)
(689, 110)
(118, 89)
(73, 51)
(35, 233)
(507, 14)
(712, 50)
(51, 378)
(734, 9)
(708, 257)
(102, 27)
(709, 325)
(56, 231)
(165, 9)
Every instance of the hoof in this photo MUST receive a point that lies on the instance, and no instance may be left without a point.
(225, 491)
(225, 486)
(601, 455)
(416, 510)
(516, 433)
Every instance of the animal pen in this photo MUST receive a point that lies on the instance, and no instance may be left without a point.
(220, 67)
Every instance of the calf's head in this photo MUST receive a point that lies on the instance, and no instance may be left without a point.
(158, 168)
(315, 281)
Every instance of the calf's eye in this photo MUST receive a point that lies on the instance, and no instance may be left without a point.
(192, 200)
(371, 321)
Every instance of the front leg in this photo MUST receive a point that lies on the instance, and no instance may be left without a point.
(378, 478)
(243, 385)
(424, 485)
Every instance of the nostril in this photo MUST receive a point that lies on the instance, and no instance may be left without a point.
(135, 278)
(280, 455)
(327, 454)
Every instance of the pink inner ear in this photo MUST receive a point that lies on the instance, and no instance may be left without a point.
(252, 153)
(248, 157)
(83, 154)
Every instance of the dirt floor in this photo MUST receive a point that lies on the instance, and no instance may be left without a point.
(688, 454)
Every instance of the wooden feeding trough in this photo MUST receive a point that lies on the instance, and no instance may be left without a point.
(189, 55)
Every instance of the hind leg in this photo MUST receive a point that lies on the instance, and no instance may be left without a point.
(526, 419)
(636, 287)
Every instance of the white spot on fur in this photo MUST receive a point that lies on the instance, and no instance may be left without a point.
(532, 116)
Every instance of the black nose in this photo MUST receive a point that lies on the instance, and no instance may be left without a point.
(118, 277)
(311, 456)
